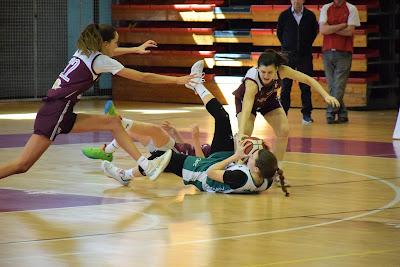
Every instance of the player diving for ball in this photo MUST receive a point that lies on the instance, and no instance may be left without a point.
(220, 172)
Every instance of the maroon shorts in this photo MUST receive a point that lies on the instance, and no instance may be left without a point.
(54, 117)
(267, 106)
(188, 149)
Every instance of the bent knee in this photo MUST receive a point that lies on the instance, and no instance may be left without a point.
(113, 121)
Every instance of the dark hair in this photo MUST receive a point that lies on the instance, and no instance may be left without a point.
(93, 36)
(268, 166)
(271, 57)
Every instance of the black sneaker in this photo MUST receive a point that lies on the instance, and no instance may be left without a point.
(330, 120)
(343, 120)
(307, 120)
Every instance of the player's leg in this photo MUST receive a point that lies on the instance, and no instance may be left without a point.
(86, 123)
(33, 150)
(279, 123)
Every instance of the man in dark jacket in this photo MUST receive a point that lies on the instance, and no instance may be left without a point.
(297, 30)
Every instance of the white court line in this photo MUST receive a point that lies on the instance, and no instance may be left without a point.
(393, 202)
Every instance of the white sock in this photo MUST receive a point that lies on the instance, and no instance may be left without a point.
(150, 146)
(129, 174)
(143, 162)
(169, 145)
(126, 123)
(112, 147)
(202, 91)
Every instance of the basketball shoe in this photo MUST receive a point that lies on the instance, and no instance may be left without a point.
(97, 153)
(158, 165)
(114, 172)
(197, 69)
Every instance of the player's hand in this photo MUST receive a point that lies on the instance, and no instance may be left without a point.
(167, 126)
(195, 131)
(330, 100)
(187, 79)
(241, 147)
(142, 49)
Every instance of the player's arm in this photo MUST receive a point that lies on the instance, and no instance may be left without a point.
(288, 72)
(196, 141)
(141, 49)
(247, 105)
(217, 171)
(147, 77)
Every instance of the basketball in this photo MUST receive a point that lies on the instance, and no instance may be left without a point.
(256, 144)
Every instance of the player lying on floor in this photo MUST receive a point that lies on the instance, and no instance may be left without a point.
(219, 172)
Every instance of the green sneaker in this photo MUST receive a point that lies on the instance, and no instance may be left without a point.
(109, 108)
(97, 153)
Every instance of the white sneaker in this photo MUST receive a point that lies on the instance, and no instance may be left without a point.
(197, 68)
(277, 181)
(158, 165)
(114, 172)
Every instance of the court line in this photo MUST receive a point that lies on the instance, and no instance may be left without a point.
(368, 252)
(393, 202)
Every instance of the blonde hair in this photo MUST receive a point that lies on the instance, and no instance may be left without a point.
(93, 36)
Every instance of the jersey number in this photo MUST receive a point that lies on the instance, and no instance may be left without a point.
(72, 65)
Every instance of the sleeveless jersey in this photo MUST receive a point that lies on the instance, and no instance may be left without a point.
(76, 78)
(264, 94)
(195, 172)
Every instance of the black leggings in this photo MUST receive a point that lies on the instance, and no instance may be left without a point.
(222, 139)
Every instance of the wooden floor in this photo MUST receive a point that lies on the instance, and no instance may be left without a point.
(343, 209)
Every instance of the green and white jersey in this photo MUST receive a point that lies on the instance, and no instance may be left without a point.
(195, 172)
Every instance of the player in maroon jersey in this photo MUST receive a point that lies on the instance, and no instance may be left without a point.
(96, 45)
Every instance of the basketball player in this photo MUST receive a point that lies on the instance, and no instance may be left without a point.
(219, 172)
(258, 93)
(96, 45)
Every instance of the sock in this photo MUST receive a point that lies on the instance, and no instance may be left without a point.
(126, 123)
(150, 146)
(111, 147)
(169, 145)
(202, 91)
(129, 174)
(143, 162)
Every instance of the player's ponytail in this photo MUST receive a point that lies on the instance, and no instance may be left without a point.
(282, 182)
(93, 36)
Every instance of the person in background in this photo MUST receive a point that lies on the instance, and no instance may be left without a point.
(337, 22)
(297, 29)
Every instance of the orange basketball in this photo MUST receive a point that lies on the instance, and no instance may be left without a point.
(256, 144)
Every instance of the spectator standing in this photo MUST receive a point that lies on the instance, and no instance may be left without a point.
(297, 29)
(337, 22)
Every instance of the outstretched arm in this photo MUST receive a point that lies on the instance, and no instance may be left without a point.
(171, 130)
(247, 105)
(196, 141)
(147, 77)
(288, 72)
(141, 49)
